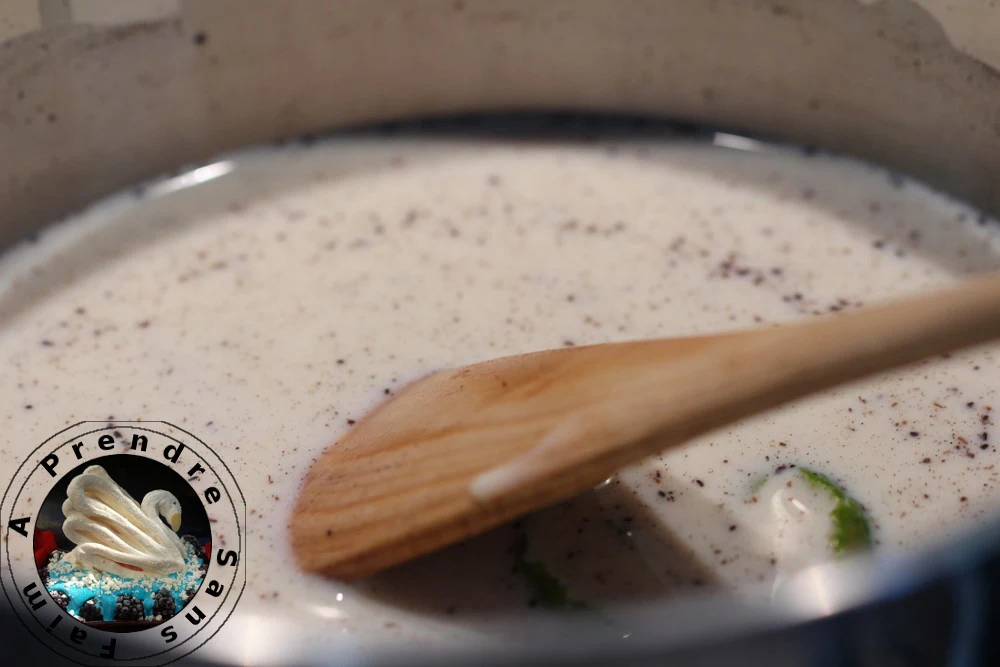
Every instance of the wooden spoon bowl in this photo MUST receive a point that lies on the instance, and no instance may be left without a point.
(464, 450)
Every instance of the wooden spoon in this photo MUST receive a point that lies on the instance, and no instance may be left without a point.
(464, 450)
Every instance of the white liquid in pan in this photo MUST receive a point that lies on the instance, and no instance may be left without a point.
(264, 309)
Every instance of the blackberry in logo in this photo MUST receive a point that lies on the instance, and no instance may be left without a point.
(128, 608)
(61, 599)
(90, 611)
(163, 605)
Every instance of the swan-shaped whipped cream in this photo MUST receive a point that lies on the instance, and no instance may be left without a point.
(113, 533)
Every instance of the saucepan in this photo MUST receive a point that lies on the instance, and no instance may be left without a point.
(97, 96)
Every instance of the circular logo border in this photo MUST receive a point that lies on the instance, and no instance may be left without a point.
(187, 441)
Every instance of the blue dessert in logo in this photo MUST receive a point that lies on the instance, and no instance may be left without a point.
(95, 596)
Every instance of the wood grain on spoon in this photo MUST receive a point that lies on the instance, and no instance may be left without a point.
(409, 477)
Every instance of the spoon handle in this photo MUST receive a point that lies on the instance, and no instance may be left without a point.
(669, 399)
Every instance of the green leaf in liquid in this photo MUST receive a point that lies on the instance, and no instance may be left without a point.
(547, 589)
(851, 529)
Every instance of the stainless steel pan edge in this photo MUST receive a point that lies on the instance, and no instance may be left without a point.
(86, 109)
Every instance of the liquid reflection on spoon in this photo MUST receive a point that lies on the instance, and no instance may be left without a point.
(603, 484)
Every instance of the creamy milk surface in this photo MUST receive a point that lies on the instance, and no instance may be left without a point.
(269, 307)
